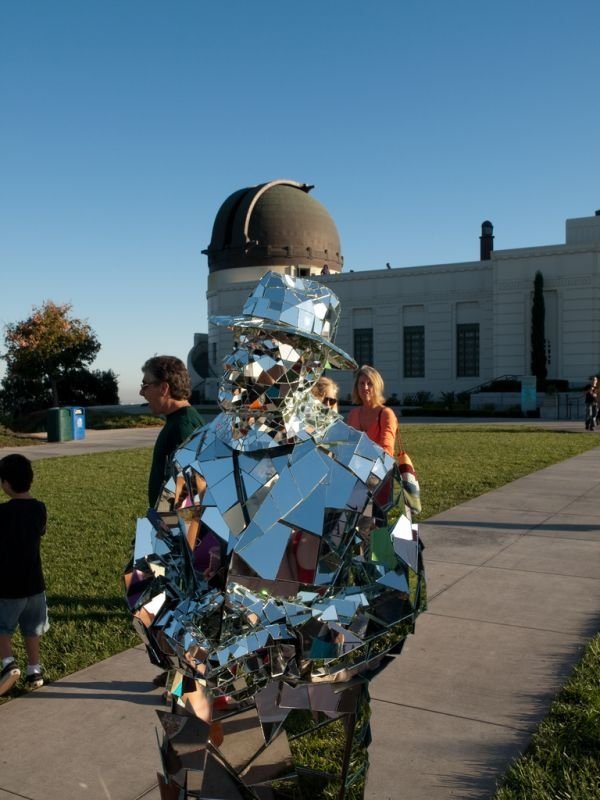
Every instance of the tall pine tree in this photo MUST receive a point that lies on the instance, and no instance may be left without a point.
(538, 332)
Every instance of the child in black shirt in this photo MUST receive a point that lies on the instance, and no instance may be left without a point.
(22, 595)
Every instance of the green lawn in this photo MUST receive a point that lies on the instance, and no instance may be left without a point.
(94, 500)
(9, 439)
(562, 761)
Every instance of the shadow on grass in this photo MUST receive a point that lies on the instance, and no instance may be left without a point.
(64, 608)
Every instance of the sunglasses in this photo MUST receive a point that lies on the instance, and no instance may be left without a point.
(330, 401)
(144, 386)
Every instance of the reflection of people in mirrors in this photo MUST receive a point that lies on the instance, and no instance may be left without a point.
(208, 558)
(326, 391)
(302, 554)
(372, 416)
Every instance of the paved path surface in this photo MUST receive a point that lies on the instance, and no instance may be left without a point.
(514, 587)
(94, 442)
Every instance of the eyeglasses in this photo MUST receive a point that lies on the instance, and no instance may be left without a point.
(144, 385)
(330, 401)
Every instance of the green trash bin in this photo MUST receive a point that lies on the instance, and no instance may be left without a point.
(59, 425)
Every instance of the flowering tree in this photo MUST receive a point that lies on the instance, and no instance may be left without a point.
(49, 344)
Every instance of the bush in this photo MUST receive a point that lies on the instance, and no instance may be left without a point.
(108, 420)
(423, 398)
(19, 397)
(34, 422)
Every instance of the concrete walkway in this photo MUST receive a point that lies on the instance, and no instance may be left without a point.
(514, 588)
(94, 442)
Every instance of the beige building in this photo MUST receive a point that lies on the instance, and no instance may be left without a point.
(440, 328)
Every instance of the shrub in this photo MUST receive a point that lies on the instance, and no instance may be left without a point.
(423, 398)
(450, 400)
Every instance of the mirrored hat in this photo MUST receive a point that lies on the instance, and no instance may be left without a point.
(296, 306)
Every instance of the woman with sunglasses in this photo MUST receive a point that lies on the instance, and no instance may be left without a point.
(326, 391)
(372, 416)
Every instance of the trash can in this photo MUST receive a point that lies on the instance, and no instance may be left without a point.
(58, 425)
(77, 422)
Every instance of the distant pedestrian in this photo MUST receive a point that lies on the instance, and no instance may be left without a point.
(22, 585)
(591, 404)
(166, 387)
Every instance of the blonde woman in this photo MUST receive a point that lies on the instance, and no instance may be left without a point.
(326, 391)
(372, 416)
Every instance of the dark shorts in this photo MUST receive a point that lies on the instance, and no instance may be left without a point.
(29, 613)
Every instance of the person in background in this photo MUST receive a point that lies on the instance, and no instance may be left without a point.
(22, 586)
(597, 391)
(326, 391)
(591, 404)
(372, 416)
(167, 389)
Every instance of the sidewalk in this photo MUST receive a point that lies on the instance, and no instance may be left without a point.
(514, 590)
(94, 442)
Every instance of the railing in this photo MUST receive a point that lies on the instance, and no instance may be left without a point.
(564, 405)
(493, 380)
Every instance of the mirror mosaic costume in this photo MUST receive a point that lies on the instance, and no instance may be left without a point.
(278, 573)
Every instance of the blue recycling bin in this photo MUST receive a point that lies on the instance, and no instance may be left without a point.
(77, 422)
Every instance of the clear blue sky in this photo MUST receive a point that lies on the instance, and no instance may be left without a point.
(124, 124)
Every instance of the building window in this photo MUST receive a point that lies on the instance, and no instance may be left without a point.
(363, 346)
(414, 351)
(214, 352)
(467, 350)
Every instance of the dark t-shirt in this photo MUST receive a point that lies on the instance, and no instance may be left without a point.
(178, 426)
(22, 525)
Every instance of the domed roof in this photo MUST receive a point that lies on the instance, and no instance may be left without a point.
(274, 224)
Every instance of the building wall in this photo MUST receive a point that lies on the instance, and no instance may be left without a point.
(572, 299)
(496, 295)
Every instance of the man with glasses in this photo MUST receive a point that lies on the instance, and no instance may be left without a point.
(166, 388)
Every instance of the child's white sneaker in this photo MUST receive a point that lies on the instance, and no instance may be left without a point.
(34, 681)
(9, 676)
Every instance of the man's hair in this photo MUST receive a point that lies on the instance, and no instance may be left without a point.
(376, 380)
(171, 370)
(17, 470)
